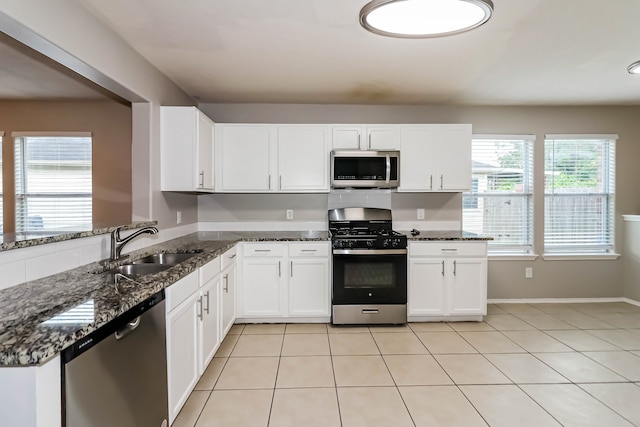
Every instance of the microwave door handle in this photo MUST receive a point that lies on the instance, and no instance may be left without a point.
(388, 169)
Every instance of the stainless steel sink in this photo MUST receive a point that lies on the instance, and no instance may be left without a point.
(132, 270)
(165, 258)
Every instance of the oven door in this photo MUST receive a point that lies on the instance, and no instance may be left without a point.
(369, 276)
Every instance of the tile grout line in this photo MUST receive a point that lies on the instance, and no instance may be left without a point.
(275, 380)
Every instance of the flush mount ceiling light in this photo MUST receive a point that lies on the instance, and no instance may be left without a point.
(424, 18)
(634, 68)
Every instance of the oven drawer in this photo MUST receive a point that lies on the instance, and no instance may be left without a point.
(309, 249)
(264, 249)
(447, 249)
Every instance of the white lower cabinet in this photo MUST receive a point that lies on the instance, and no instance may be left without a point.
(447, 279)
(309, 289)
(284, 280)
(182, 341)
(228, 292)
(193, 331)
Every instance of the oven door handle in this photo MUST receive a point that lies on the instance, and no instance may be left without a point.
(369, 251)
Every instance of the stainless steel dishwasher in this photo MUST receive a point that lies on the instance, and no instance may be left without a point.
(117, 376)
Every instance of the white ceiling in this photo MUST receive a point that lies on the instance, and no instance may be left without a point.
(532, 52)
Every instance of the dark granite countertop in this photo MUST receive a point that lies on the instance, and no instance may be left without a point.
(445, 235)
(33, 328)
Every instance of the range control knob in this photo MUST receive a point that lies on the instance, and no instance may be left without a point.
(369, 243)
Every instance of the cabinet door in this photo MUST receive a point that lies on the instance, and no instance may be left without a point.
(426, 287)
(182, 354)
(452, 146)
(467, 286)
(383, 138)
(417, 160)
(347, 138)
(262, 287)
(205, 178)
(245, 161)
(228, 298)
(309, 287)
(210, 322)
(303, 157)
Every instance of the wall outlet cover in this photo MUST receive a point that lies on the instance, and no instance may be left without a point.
(289, 214)
(528, 273)
(420, 214)
(178, 217)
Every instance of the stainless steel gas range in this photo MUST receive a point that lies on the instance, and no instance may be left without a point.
(369, 283)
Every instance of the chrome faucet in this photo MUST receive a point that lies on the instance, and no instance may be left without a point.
(118, 243)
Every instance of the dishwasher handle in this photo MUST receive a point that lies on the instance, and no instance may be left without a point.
(127, 329)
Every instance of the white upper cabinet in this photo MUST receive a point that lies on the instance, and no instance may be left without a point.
(186, 142)
(366, 137)
(244, 153)
(435, 158)
(272, 158)
(303, 158)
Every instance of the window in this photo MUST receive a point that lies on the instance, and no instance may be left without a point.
(579, 193)
(53, 185)
(500, 203)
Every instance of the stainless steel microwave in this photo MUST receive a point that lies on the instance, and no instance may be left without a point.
(365, 169)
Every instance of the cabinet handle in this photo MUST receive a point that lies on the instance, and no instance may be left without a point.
(280, 182)
(233, 256)
(291, 269)
(226, 283)
(262, 250)
(207, 309)
(359, 146)
(199, 314)
(443, 268)
(309, 250)
(430, 182)
(448, 250)
(369, 146)
(279, 269)
(441, 185)
(454, 267)
(201, 179)
(269, 183)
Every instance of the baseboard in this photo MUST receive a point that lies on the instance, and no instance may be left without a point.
(560, 300)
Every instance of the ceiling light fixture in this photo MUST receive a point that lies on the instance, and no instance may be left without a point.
(416, 19)
(634, 68)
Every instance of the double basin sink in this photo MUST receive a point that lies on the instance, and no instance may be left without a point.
(151, 264)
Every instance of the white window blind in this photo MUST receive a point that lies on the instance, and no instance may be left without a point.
(500, 204)
(579, 194)
(53, 185)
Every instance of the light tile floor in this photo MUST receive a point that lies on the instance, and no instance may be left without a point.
(527, 364)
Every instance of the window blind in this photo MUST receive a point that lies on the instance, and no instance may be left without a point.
(500, 204)
(579, 194)
(53, 185)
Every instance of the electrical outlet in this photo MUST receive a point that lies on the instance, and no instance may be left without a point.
(289, 214)
(178, 217)
(528, 273)
(420, 213)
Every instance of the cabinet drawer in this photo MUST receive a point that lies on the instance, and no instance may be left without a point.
(309, 249)
(264, 249)
(229, 257)
(181, 290)
(210, 270)
(447, 249)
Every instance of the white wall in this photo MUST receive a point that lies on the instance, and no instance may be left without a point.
(552, 279)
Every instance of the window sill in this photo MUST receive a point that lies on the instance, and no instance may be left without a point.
(513, 257)
(580, 257)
